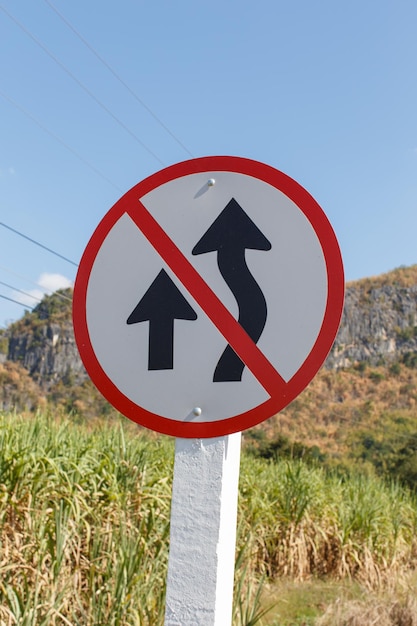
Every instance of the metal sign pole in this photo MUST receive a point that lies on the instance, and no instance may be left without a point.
(203, 532)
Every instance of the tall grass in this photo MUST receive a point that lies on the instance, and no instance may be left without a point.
(84, 525)
(300, 521)
(84, 519)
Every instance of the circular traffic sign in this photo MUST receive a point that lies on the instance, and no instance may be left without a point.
(208, 297)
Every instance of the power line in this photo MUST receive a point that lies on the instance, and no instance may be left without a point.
(17, 232)
(116, 75)
(80, 84)
(25, 293)
(32, 282)
(16, 302)
(57, 138)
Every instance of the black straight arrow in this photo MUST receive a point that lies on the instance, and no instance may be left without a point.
(161, 305)
(230, 235)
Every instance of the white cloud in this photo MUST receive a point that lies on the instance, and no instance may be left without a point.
(52, 282)
(47, 283)
(30, 298)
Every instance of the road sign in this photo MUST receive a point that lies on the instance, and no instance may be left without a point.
(208, 297)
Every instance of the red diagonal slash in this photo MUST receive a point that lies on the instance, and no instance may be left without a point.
(221, 317)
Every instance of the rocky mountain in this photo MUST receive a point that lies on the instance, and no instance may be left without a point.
(379, 325)
(43, 342)
(379, 321)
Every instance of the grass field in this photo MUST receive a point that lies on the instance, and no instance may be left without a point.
(84, 532)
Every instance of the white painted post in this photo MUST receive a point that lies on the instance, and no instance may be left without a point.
(203, 532)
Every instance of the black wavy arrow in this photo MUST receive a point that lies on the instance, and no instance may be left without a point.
(161, 305)
(230, 235)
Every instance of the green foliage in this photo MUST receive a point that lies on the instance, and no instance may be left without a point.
(4, 342)
(84, 521)
(405, 464)
(410, 359)
(407, 333)
(376, 377)
(390, 452)
(373, 450)
(93, 509)
(395, 369)
(302, 521)
(82, 401)
(302, 603)
(56, 307)
(282, 447)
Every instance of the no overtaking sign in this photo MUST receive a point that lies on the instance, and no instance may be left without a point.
(208, 297)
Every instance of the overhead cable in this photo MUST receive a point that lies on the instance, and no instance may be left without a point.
(57, 138)
(17, 232)
(117, 77)
(36, 284)
(16, 302)
(80, 84)
(25, 293)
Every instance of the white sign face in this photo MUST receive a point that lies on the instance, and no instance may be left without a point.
(208, 253)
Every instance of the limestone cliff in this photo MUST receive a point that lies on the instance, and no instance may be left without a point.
(379, 322)
(379, 325)
(43, 343)
(49, 354)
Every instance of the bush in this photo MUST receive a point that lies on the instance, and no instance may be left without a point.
(282, 448)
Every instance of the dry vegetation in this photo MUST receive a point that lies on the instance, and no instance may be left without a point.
(338, 406)
(18, 388)
(327, 496)
(84, 524)
(399, 277)
(377, 612)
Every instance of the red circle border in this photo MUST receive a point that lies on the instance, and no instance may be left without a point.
(331, 320)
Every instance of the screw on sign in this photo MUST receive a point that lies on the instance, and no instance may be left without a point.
(215, 283)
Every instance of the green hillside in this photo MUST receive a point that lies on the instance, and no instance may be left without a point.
(364, 415)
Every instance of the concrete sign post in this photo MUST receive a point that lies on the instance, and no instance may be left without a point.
(206, 300)
(203, 532)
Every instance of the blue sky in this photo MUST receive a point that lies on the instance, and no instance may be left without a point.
(324, 91)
